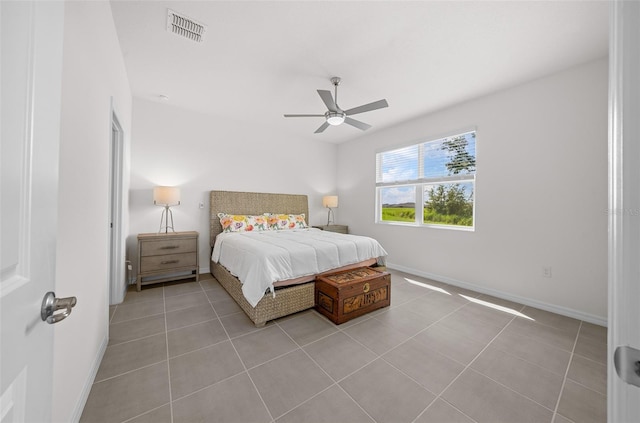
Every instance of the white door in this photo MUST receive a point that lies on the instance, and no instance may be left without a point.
(31, 69)
(624, 212)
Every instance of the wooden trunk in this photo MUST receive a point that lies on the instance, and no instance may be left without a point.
(349, 294)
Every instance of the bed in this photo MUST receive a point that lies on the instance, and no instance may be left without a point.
(289, 296)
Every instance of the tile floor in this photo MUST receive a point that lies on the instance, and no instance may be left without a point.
(185, 352)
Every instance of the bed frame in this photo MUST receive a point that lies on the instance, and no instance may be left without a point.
(287, 300)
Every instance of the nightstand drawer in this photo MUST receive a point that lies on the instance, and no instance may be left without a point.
(168, 246)
(168, 261)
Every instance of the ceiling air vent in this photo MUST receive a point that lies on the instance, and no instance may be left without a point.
(185, 27)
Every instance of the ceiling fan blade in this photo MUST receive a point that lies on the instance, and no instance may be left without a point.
(357, 123)
(367, 107)
(322, 128)
(303, 115)
(327, 98)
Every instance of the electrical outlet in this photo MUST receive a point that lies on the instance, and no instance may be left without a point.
(546, 271)
(201, 205)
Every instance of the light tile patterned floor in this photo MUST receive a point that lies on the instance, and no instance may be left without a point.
(185, 352)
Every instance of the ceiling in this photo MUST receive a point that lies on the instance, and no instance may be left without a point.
(262, 59)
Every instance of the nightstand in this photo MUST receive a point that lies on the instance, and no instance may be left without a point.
(343, 229)
(166, 254)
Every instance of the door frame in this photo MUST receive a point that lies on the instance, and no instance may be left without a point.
(117, 274)
(623, 400)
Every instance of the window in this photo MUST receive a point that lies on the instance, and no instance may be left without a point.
(429, 184)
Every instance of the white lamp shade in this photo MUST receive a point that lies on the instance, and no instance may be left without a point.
(166, 196)
(330, 201)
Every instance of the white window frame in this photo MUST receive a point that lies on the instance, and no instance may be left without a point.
(421, 182)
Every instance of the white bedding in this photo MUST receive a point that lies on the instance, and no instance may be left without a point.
(258, 259)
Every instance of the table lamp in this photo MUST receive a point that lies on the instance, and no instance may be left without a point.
(166, 197)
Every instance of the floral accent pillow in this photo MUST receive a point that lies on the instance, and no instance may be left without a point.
(257, 223)
(243, 223)
(286, 221)
(278, 221)
(298, 221)
(233, 222)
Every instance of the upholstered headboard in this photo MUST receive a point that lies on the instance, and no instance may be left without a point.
(234, 202)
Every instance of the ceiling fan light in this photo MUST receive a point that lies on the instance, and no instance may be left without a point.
(335, 118)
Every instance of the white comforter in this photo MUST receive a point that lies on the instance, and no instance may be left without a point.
(258, 259)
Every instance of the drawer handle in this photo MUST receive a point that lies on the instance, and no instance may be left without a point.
(170, 261)
(169, 247)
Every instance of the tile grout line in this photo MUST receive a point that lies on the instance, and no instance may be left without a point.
(439, 396)
(548, 344)
(136, 339)
(166, 334)
(192, 324)
(145, 413)
(114, 313)
(432, 350)
(419, 332)
(208, 386)
(295, 349)
(527, 361)
(169, 357)
(519, 358)
(241, 362)
(488, 344)
(201, 348)
(222, 380)
(587, 388)
(187, 307)
(596, 362)
(379, 356)
(511, 389)
(136, 318)
(128, 372)
(566, 373)
(368, 318)
(328, 375)
(531, 362)
(167, 330)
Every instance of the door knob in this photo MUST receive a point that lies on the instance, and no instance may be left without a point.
(51, 304)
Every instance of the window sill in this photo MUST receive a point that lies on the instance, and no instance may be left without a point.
(432, 226)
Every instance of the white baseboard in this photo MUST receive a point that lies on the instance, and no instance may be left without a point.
(86, 389)
(576, 314)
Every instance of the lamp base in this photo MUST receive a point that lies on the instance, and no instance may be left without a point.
(329, 216)
(166, 215)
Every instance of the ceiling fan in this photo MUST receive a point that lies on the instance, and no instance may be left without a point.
(336, 116)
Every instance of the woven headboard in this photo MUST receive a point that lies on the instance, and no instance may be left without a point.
(234, 202)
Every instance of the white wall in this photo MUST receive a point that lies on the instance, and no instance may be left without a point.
(199, 153)
(541, 194)
(93, 73)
